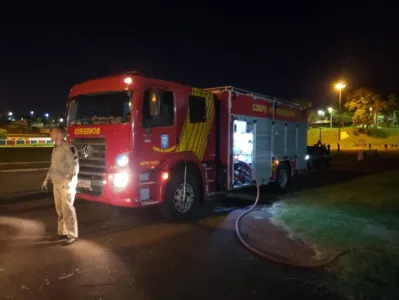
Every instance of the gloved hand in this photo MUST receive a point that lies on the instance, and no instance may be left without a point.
(44, 186)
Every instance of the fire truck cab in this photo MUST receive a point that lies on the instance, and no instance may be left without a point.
(145, 141)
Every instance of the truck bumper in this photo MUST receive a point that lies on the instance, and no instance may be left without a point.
(141, 190)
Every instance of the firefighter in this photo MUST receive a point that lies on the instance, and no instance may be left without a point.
(63, 173)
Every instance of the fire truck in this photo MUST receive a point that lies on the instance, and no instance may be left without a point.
(145, 141)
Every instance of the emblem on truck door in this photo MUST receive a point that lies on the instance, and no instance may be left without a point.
(164, 141)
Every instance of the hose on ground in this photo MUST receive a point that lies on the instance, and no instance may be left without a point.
(274, 258)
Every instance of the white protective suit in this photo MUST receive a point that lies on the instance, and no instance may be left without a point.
(63, 173)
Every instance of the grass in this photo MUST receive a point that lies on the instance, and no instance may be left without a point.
(361, 215)
(381, 137)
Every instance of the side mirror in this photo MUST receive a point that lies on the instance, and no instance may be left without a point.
(155, 102)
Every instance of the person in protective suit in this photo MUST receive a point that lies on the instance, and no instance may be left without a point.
(63, 173)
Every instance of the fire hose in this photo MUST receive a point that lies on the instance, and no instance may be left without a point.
(269, 256)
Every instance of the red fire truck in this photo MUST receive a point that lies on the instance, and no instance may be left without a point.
(145, 141)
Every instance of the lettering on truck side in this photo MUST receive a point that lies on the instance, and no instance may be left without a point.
(149, 163)
(87, 131)
(285, 112)
(259, 108)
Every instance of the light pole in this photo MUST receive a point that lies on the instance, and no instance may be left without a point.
(339, 86)
(320, 112)
(330, 110)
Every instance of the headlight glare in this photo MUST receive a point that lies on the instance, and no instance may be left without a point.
(121, 180)
(122, 160)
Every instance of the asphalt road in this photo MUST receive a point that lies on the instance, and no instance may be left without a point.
(14, 183)
(19, 154)
(136, 254)
(35, 159)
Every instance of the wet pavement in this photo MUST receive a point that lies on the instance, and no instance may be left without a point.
(275, 241)
(136, 254)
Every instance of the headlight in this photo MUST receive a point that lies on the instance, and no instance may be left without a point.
(121, 180)
(122, 160)
(307, 157)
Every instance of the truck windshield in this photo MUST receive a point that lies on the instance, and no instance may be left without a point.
(107, 108)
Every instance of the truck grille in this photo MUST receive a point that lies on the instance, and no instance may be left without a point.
(92, 163)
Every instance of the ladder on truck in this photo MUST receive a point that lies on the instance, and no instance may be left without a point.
(255, 95)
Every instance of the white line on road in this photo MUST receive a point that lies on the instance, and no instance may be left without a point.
(23, 163)
(23, 170)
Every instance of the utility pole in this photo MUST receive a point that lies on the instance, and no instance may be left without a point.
(339, 86)
(339, 114)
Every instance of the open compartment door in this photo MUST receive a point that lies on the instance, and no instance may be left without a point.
(243, 149)
(262, 159)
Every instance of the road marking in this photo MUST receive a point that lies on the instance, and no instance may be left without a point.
(24, 162)
(23, 170)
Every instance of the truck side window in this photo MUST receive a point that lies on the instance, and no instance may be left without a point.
(166, 114)
(197, 108)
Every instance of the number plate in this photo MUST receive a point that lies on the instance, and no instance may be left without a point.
(85, 184)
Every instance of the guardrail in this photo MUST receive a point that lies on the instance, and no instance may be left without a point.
(28, 141)
(26, 135)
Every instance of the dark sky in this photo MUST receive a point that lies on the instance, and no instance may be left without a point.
(281, 49)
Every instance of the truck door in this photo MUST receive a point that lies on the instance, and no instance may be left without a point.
(158, 126)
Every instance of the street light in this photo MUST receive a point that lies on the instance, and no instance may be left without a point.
(340, 86)
(10, 114)
(320, 112)
(32, 112)
(46, 115)
(330, 110)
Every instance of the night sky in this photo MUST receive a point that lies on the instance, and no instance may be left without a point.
(284, 50)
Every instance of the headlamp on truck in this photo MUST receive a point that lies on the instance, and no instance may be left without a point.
(122, 160)
(121, 180)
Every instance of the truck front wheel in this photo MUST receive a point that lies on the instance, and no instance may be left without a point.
(182, 199)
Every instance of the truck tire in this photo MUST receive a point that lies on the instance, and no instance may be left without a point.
(176, 207)
(283, 178)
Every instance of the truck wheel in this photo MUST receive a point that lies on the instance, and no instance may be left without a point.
(182, 201)
(283, 178)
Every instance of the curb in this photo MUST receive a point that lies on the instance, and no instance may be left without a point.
(24, 163)
(23, 170)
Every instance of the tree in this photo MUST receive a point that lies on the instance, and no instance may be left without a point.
(3, 134)
(366, 106)
(312, 117)
(303, 103)
(393, 110)
(346, 117)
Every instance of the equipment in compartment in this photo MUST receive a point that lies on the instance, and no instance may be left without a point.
(242, 153)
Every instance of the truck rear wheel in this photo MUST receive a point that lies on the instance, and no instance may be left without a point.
(283, 178)
(182, 200)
